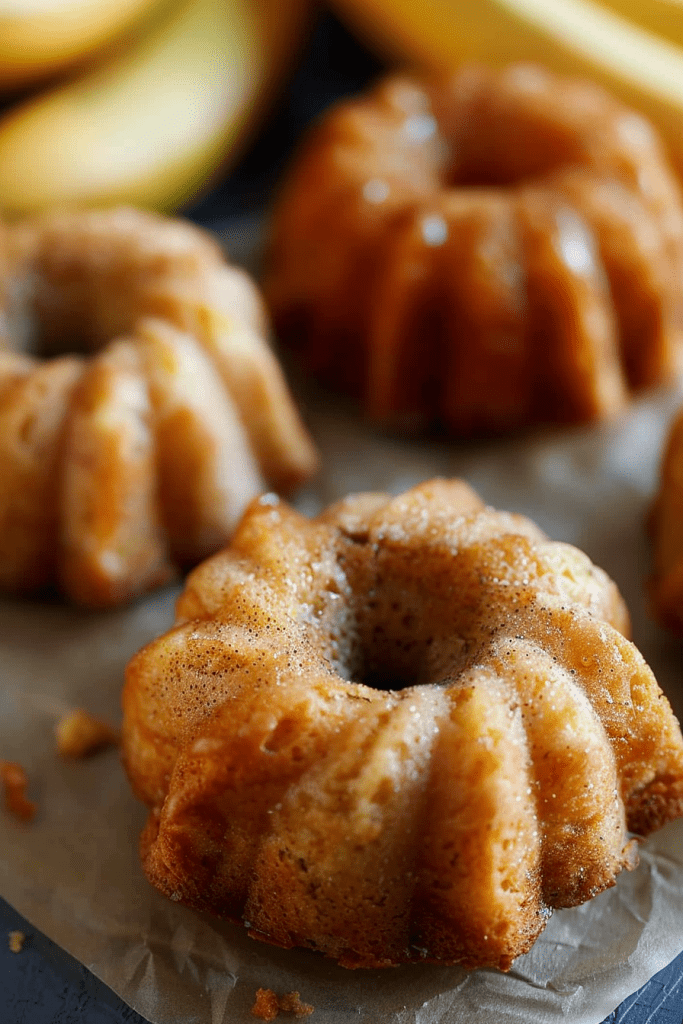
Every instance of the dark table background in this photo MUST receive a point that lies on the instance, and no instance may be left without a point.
(42, 984)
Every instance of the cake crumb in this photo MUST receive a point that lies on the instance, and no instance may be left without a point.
(290, 1002)
(16, 941)
(14, 783)
(79, 734)
(268, 1005)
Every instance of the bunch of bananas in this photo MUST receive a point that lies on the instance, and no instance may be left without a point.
(153, 96)
(633, 47)
(159, 93)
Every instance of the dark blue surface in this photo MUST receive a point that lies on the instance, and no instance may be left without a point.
(42, 984)
(659, 1002)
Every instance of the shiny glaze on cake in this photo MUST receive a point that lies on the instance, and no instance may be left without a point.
(481, 252)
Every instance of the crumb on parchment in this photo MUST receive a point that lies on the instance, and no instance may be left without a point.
(291, 1003)
(79, 734)
(268, 1005)
(15, 783)
(16, 941)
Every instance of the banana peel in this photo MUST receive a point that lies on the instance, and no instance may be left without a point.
(150, 125)
(38, 39)
(578, 37)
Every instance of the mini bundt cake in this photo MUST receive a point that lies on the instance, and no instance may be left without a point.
(137, 452)
(481, 252)
(666, 530)
(403, 731)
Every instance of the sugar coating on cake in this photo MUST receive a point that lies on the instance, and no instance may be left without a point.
(135, 453)
(481, 252)
(403, 731)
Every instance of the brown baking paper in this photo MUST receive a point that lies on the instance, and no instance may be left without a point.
(74, 871)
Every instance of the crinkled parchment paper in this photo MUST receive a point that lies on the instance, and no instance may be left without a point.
(74, 871)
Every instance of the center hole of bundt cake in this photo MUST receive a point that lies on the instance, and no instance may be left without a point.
(389, 642)
(68, 328)
(388, 618)
(70, 315)
(475, 170)
(392, 645)
(381, 671)
(492, 159)
(382, 663)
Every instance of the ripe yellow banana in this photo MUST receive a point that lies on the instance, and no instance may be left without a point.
(572, 36)
(153, 122)
(663, 17)
(39, 37)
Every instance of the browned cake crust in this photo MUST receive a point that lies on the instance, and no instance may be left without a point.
(402, 731)
(138, 453)
(666, 530)
(481, 252)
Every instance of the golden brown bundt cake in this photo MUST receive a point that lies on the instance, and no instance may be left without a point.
(403, 731)
(481, 252)
(136, 453)
(666, 530)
